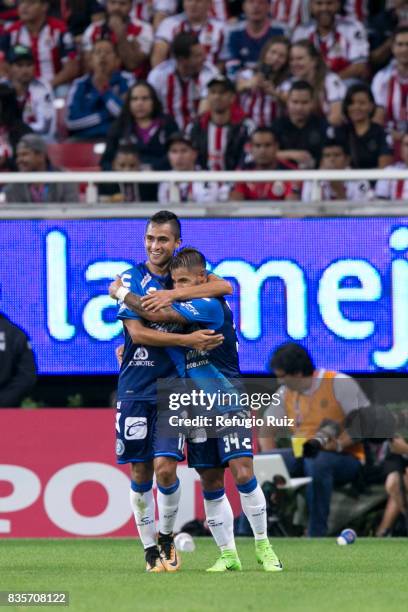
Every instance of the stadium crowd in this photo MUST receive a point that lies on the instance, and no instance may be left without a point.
(207, 84)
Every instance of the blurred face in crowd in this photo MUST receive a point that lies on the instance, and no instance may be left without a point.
(141, 103)
(324, 11)
(22, 71)
(264, 148)
(276, 56)
(404, 149)
(256, 10)
(126, 162)
(182, 157)
(295, 382)
(302, 65)
(334, 158)
(192, 65)
(32, 10)
(400, 48)
(196, 10)
(300, 106)
(220, 98)
(29, 160)
(121, 8)
(360, 108)
(103, 58)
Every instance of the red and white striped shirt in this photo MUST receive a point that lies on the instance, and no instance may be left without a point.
(260, 106)
(180, 97)
(344, 46)
(142, 10)
(136, 30)
(358, 9)
(291, 12)
(391, 93)
(52, 47)
(219, 8)
(393, 189)
(217, 138)
(210, 35)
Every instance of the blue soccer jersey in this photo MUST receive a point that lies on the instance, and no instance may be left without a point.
(143, 365)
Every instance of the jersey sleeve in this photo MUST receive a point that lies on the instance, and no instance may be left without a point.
(359, 44)
(132, 280)
(202, 310)
(165, 30)
(379, 89)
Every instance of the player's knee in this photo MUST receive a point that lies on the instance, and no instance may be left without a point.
(242, 474)
(141, 472)
(212, 480)
(166, 471)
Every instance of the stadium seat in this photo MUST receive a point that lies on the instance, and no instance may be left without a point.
(74, 155)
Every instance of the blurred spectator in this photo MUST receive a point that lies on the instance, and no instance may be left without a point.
(182, 156)
(245, 41)
(18, 373)
(365, 139)
(32, 157)
(78, 14)
(291, 12)
(133, 39)
(95, 100)
(387, 189)
(181, 82)
(35, 97)
(396, 485)
(221, 133)
(307, 64)
(301, 134)
(51, 44)
(195, 18)
(311, 396)
(390, 88)
(260, 89)
(335, 156)
(381, 28)
(264, 149)
(143, 124)
(342, 41)
(12, 128)
(125, 160)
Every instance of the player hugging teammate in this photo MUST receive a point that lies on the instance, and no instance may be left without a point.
(154, 350)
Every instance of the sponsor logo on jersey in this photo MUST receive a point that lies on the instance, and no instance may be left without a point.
(141, 358)
(145, 280)
(120, 448)
(190, 307)
(135, 428)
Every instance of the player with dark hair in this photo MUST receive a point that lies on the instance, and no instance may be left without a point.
(210, 457)
(144, 362)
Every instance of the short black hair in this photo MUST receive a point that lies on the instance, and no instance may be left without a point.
(336, 142)
(165, 216)
(264, 130)
(292, 358)
(183, 43)
(352, 91)
(403, 29)
(301, 86)
(127, 149)
(188, 257)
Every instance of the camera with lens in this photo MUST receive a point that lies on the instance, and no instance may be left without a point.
(328, 430)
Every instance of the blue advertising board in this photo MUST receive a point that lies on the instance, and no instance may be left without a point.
(337, 286)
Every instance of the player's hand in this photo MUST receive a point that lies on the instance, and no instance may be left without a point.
(119, 353)
(204, 340)
(158, 299)
(114, 286)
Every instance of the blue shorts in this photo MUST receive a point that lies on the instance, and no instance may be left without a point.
(217, 452)
(136, 434)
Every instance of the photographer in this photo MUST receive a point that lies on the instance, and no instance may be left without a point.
(318, 401)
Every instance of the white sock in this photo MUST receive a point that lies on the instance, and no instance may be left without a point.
(254, 506)
(168, 499)
(143, 506)
(220, 518)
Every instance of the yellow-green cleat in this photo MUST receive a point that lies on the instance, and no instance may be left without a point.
(266, 556)
(227, 562)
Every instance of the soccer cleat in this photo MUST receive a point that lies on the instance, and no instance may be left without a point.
(266, 556)
(153, 560)
(168, 553)
(228, 561)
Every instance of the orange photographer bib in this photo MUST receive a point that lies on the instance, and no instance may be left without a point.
(308, 411)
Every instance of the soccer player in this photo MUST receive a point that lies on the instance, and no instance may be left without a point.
(144, 361)
(210, 457)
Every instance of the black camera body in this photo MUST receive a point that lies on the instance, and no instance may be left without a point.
(328, 430)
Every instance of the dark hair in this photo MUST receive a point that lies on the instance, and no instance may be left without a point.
(165, 216)
(125, 118)
(336, 142)
(292, 358)
(264, 130)
(188, 257)
(400, 30)
(352, 91)
(9, 109)
(301, 86)
(183, 43)
(127, 149)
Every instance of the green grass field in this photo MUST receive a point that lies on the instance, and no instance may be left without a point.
(109, 575)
